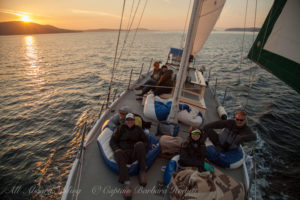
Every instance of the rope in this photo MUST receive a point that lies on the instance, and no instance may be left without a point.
(125, 40)
(131, 44)
(136, 30)
(254, 162)
(243, 42)
(184, 29)
(127, 33)
(261, 46)
(116, 51)
(251, 78)
(254, 25)
(134, 36)
(130, 14)
(249, 89)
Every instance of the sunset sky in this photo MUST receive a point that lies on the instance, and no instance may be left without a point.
(92, 14)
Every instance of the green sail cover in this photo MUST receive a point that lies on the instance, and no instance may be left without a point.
(277, 46)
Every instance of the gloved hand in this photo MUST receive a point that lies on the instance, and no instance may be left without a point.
(209, 167)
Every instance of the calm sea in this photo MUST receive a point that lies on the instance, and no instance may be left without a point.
(52, 87)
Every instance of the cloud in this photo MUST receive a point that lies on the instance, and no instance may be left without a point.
(17, 13)
(94, 13)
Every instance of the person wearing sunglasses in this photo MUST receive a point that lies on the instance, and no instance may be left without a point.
(235, 132)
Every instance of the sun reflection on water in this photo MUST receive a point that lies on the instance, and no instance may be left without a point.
(32, 58)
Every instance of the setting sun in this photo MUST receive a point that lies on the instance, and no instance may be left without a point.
(25, 18)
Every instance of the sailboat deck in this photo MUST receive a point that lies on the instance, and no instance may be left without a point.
(97, 181)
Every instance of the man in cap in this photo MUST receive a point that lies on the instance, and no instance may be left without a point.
(129, 144)
(235, 132)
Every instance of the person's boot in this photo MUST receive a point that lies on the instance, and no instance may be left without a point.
(127, 192)
(142, 179)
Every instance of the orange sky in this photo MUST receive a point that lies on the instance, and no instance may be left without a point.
(91, 14)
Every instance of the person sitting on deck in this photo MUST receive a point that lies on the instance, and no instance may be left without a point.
(119, 119)
(192, 152)
(156, 73)
(129, 144)
(164, 80)
(235, 133)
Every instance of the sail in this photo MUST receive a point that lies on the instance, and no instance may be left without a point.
(203, 18)
(277, 45)
(210, 12)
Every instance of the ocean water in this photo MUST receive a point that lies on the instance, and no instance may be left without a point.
(52, 88)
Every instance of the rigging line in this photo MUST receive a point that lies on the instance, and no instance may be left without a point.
(127, 33)
(130, 14)
(251, 76)
(249, 90)
(136, 30)
(264, 38)
(242, 50)
(243, 41)
(123, 74)
(184, 29)
(254, 25)
(116, 51)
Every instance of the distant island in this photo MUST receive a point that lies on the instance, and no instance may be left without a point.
(250, 29)
(107, 29)
(21, 28)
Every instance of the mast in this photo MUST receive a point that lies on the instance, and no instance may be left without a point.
(184, 63)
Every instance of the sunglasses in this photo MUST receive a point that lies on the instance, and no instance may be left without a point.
(196, 133)
(122, 113)
(239, 119)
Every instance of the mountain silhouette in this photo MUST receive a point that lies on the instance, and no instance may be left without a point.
(20, 28)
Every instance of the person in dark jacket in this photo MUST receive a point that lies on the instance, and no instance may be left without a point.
(192, 152)
(129, 143)
(164, 80)
(235, 132)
